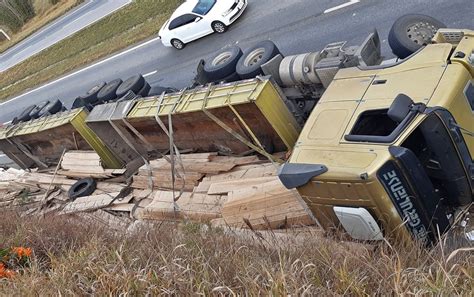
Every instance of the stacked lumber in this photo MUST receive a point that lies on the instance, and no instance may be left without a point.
(268, 205)
(195, 166)
(231, 191)
(82, 164)
(189, 206)
(194, 203)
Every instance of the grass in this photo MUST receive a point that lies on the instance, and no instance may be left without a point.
(74, 257)
(46, 12)
(136, 22)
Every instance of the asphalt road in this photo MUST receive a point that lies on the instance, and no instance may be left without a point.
(296, 26)
(89, 12)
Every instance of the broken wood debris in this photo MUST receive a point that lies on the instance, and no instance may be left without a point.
(225, 190)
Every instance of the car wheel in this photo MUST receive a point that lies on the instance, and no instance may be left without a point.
(177, 44)
(222, 64)
(134, 84)
(249, 65)
(219, 27)
(109, 91)
(82, 188)
(411, 32)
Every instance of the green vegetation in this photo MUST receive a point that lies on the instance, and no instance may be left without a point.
(21, 18)
(15, 13)
(72, 256)
(136, 22)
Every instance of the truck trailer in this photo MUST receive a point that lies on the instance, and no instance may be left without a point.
(377, 149)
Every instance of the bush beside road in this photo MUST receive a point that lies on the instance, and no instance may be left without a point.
(138, 21)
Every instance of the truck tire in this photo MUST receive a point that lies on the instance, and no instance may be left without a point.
(134, 83)
(109, 91)
(78, 103)
(52, 108)
(25, 114)
(249, 65)
(411, 32)
(145, 90)
(158, 90)
(91, 96)
(231, 78)
(34, 114)
(222, 63)
(83, 187)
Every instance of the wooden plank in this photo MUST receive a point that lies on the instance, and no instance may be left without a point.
(189, 206)
(85, 174)
(265, 205)
(196, 156)
(166, 175)
(42, 178)
(109, 187)
(232, 175)
(141, 182)
(91, 155)
(80, 162)
(89, 203)
(107, 219)
(192, 166)
(236, 160)
(123, 207)
(232, 185)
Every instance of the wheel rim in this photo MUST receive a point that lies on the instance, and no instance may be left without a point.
(254, 57)
(219, 27)
(421, 33)
(221, 59)
(178, 44)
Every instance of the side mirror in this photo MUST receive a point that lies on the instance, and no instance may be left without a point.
(197, 19)
(400, 108)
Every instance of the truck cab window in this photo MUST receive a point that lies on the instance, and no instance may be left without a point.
(375, 123)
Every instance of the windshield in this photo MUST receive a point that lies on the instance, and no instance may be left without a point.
(204, 6)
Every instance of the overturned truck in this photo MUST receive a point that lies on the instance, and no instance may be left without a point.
(378, 149)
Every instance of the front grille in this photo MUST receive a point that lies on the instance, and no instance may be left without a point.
(235, 15)
(238, 12)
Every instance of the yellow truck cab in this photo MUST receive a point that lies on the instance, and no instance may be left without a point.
(388, 150)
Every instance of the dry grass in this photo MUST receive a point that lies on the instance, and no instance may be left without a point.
(45, 13)
(136, 22)
(73, 257)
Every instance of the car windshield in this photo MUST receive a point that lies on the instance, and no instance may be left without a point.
(204, 6)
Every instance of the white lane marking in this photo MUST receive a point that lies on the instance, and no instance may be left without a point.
(341, 6)
(83, 69)
(151, 73)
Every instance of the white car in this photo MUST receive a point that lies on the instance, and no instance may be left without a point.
(197, 18)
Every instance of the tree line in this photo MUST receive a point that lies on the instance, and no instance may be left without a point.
(15, 13)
